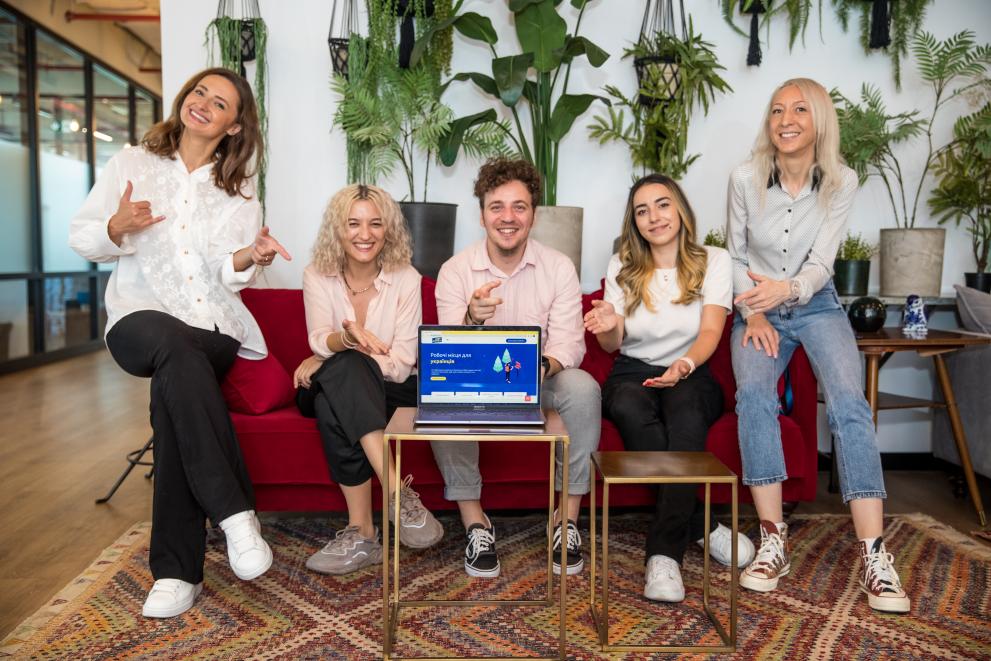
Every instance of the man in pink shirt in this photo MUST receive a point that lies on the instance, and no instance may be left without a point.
(509, 279)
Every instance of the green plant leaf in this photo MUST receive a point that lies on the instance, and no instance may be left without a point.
(450, 143)
(476, 26)
(569, 107)
(485, 83)
(581, 46)
(509, 74)
(542, 32)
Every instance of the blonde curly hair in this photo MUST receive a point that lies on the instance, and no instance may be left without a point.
(328, 251)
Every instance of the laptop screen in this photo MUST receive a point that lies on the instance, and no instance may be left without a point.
(466, 365)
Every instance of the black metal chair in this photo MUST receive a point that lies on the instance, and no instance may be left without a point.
(134, 458)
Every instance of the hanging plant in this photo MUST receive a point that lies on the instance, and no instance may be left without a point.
(657, 135)
(796, 12)
(340, 35)
(239, 39)
(885, 24)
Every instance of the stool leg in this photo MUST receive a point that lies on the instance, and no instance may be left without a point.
(131, 463)
(959, 436)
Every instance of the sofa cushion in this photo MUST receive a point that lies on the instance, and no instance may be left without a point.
(282, 319)
(975, 309)
(257, 386)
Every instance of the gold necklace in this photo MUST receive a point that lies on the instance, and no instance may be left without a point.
(355, 292)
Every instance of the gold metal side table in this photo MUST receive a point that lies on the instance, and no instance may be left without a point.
(401, 428)
(661, 468)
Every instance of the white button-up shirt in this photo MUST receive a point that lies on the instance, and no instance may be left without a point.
(183, 265)
(788, 237)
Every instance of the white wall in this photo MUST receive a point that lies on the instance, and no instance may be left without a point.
(307, 157)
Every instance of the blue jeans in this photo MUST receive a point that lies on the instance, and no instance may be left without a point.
(822, 329)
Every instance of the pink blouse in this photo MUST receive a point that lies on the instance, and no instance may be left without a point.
(394, 315)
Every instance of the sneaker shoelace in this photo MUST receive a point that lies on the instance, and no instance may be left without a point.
(480, 540)
(770, 553)
(881, 575)
(166, 585)
(411, 510)
(245, 538)
(658, 570)
(574, 538)
(344, 541)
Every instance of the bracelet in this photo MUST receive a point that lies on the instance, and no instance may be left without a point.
(691, 365)
(469, 319)
(347, 341)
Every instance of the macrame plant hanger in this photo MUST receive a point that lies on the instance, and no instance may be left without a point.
(339, 40)
(880, 24)
(407, 11)
(754, 8)
(245, 47)
(659, 72)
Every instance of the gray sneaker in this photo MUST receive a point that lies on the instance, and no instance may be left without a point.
(347, 552)
(418, 528)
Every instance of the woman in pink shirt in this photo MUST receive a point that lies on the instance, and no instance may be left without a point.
(362, 299)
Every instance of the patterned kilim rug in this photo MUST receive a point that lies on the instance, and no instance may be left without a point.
(291, 613)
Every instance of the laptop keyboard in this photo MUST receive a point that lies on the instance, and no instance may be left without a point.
(508, 415)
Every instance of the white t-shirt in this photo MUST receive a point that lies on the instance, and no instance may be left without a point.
(661, 337)
(183, 265)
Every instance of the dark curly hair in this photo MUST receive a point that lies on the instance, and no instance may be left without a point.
(501, 170)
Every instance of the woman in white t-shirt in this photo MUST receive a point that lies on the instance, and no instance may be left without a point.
(665, 305)
(179, 219)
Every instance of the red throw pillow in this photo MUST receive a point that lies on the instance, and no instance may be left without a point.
(257, 386)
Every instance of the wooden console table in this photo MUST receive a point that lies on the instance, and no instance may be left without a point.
(878, 347)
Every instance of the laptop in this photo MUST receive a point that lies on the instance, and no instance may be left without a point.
(479, 375)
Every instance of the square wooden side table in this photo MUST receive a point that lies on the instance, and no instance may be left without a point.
(400, 429)
(662, 468)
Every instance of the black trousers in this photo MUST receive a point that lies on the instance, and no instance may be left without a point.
(349, 398)
(199, 471)
(675, 419)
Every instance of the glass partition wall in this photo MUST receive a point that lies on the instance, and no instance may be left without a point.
(63, 115)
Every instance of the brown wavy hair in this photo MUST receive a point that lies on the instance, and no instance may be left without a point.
(637, 268)
(501, 170)
(328, 250)
(232, 162)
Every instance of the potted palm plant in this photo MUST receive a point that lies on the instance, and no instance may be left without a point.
(852, 267)
(394, 119)
(549, 52)
(963, 190)
(911, 256)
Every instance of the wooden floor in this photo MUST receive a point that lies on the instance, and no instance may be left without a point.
(67, 427)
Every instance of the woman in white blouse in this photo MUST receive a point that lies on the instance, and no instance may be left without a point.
(179, 219)
(665, 305)
(788, 208)
(362, 299)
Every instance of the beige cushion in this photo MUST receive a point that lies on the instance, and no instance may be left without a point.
(974, 307)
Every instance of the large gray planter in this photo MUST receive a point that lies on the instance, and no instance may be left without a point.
(431, 226)
(912, 261)
(561, 229)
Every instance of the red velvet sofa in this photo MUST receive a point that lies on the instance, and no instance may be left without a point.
(285, 457)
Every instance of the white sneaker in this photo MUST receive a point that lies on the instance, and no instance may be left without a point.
(662, 580)
(170, 597)
(249, 554)
(721, 548)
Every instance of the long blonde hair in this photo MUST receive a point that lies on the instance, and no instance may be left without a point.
(328, 251)
(827, 155)
(233, 158)
(637, 268)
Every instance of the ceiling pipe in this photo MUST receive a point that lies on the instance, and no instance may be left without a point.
(120, 18)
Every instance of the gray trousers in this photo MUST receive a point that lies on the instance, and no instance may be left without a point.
(575, 395)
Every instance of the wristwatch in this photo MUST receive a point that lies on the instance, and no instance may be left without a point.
(545, 362)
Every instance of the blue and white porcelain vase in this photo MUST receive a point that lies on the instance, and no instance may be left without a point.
(914, 316)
